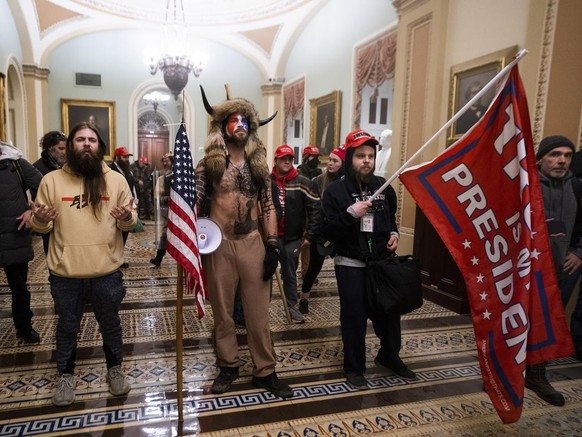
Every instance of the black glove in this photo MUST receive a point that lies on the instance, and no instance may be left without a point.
(271, 261)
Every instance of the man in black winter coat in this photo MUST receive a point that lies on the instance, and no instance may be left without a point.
(564, 222)
(362, 229)
(16, 177)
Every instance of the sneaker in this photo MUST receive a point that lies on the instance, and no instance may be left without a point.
(304, 306)
(29, 336)
(357, 380)
(64, 392)
(224, 380)
(273, 384)
(401, 370)
(296, 316)
(118, 384)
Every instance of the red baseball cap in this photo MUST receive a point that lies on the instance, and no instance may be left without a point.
(122, 151)
(311, 150)
(358, 138)
(143, 159)
(340, 152)
(284, 150)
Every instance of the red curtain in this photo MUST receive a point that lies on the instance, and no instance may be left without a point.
(374, 66)
(293, 102)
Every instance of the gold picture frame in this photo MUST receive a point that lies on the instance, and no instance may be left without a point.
(325, 122)
(466, 80)
(101, 113)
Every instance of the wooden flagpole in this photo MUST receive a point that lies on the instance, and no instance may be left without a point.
(460, 112)
(179, 342)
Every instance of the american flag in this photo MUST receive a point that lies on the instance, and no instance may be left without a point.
(183, 221)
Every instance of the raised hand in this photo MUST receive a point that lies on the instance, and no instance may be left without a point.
(122, 213)
(24, 220)
(42, 213)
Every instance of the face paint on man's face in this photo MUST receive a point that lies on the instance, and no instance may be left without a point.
(236, 122)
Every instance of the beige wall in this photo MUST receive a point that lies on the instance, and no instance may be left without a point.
(436, 35)
(564, 102)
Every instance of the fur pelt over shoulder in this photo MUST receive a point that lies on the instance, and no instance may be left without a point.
(215, 147)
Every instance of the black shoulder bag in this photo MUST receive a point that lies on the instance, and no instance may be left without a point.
(393, 285)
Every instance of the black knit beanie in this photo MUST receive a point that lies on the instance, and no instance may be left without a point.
(550, 143)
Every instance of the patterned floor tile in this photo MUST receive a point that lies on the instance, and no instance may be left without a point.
(308, 355)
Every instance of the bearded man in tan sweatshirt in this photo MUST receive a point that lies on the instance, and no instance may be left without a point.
(85, 206)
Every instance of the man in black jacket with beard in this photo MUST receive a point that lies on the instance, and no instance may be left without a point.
(360, 230)
(53, 154)
(561, 196)
(52, 157)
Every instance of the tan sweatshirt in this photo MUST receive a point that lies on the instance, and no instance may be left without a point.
(80, 245)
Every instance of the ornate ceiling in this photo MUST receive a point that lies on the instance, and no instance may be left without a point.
(198, 12)
(262, 29)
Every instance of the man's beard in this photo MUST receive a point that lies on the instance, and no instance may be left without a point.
(237, 140)
(88, 165)
(85, 164)
(124, 166)
(361, 179)
(59, 158)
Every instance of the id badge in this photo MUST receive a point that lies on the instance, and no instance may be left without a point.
(367, 223)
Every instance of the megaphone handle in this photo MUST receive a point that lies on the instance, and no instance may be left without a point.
(282, 293)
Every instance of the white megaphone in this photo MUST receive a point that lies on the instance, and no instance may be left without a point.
(209, 235)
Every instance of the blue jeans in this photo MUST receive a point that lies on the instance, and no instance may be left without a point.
(105, 294)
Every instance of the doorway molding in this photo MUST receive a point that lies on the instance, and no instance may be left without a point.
(135, 112)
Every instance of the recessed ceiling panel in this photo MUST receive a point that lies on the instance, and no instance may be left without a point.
(197, 12)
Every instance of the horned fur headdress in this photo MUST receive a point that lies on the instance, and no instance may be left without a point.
(215, 148)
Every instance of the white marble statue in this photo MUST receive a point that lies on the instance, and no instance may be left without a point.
(383, 154)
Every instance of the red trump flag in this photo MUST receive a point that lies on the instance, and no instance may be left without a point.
(483, 197)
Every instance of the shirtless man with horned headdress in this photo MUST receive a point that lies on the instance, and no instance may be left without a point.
(232, 181)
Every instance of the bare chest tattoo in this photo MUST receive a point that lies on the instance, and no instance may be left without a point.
(238, 179)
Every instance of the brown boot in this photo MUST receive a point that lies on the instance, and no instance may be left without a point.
(535, 380)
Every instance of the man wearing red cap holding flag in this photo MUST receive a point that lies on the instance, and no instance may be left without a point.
(360, 230)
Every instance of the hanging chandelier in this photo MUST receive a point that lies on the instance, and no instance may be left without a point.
(155, 98)
(175, 61)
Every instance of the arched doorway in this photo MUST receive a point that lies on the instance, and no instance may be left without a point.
(16, 115)
(153, 138)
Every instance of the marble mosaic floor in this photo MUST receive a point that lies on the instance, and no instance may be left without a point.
(446, 399)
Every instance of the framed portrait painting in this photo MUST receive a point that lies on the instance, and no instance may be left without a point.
(100, 113)
(325, 122)
(467, 80)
